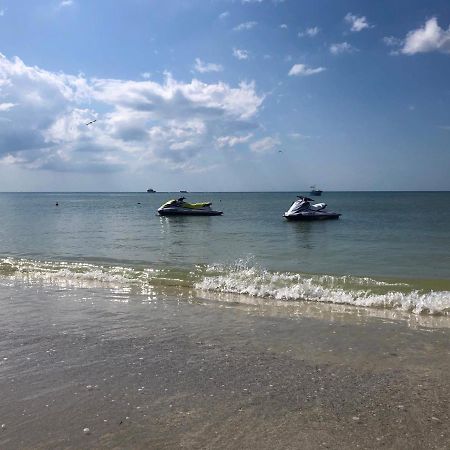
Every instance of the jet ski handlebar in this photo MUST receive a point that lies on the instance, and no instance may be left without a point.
(305, 198)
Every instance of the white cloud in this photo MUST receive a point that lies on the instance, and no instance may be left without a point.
(309, 32)
(65, 3)
(430, 38)
(146, 75)
(304, 70)
(240, 53)
(6, 106)
(299, 136)
(224, 15)
(357, 23)
(232, 141)
(283, 26)
(2, 12)
(44, 116)
(203, 67)
(392, 41)
(245, 26)
(264, 145)
(252, 1)
(342, 47)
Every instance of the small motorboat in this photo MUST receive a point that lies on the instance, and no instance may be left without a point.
(182, 208)
(316, 192)
(302, 209)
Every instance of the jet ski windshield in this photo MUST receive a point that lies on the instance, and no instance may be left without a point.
(300, 205)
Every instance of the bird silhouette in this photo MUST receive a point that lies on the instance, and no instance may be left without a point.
(91, 122)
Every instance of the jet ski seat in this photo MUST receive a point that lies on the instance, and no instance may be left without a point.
(195, 205)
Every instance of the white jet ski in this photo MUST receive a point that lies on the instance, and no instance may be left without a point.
(181, 208)
(302, 209)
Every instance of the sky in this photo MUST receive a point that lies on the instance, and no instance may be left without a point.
(224, 95)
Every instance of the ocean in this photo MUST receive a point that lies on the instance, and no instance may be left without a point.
(389, 250)
(123, 329)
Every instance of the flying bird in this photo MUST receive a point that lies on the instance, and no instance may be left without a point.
(91, 122)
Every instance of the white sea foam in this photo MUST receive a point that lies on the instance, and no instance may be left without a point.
(330, 289)
(72, 274)
(244, 277)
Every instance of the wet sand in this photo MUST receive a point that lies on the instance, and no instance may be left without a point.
(164, 372)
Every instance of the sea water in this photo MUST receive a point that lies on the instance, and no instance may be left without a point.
(388, 249)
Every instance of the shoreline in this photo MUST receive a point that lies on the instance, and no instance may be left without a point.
(238, 282)
(155, 372)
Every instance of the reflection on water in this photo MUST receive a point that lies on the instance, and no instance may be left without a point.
(185, 235)
(304, 233)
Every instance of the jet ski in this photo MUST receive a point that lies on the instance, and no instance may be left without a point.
(302, 209)
(182, 208)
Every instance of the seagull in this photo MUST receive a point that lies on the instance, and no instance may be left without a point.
(91, 122)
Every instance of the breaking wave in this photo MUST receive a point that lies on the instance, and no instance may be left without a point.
(243, 277)
(347, 290)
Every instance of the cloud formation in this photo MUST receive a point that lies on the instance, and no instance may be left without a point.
(303, 70)
(203, 67)
(245, 26)
(43, 118)
(342, 47)
(240, 53)
(309, 32)
(430, 38)
(65, 3)
(232, 141)
(357, 23)
(264, 145)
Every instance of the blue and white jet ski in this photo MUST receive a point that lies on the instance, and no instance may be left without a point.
(181, 208)
(302, 209)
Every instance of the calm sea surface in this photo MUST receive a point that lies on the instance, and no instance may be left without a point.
(387, 249)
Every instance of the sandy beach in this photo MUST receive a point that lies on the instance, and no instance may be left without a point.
(89, 368)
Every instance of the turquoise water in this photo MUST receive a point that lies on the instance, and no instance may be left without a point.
(388, 249)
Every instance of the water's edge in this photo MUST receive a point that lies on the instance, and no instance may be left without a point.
(426, 297)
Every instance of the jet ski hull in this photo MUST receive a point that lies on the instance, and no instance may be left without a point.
(310, 216)
(188, 212)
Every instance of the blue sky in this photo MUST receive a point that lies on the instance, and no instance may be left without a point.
(224, 95)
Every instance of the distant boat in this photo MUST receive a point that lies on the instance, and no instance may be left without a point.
(315, 191)
(184, 192)
(151, 191)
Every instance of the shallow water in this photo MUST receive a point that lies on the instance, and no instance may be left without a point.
(388, 250)
(167, 371)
